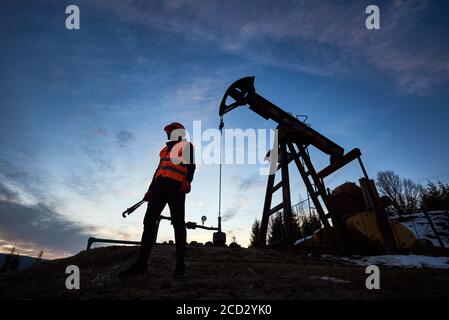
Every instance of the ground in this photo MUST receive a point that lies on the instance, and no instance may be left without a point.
(220, 273)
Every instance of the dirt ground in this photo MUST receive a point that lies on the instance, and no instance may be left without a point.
(220, 273)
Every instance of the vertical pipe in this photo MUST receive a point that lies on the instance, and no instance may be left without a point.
(365, 174)
(219, 178)
(286, 200)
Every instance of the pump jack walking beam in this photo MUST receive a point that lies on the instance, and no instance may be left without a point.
(244, 93)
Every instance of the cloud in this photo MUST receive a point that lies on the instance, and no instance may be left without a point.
(379, 142)
(324, 38)
(101, 132)
(229, 214)
(247, 187)
(39, 226)
(10, 172)
(195, 98)
(21, 173)
(6, 194)
(254, 181)
(101, 160)
(124, 138)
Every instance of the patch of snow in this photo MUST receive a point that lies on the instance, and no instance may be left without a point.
(331, 279)
(299, 241)
(418, 224)
(401, 261)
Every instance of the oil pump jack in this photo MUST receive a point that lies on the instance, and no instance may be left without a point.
(293, 139)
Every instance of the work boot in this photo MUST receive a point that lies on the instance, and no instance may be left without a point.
(179, 272)
(136, 269)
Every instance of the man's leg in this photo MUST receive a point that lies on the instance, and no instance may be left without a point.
(177, 212)
(154, 209)
(150, 226)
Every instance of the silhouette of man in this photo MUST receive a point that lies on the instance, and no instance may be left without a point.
(171, 181)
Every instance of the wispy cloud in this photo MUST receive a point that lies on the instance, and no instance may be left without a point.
(38, 226)
(246, 188)
(195, 98)
(325, 38)
(6, 194)
(124, 137)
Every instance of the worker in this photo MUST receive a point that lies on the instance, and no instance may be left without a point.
(171, 182)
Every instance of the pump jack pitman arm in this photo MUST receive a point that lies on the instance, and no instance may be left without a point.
(243, 93)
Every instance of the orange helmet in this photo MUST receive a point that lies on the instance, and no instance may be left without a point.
(173, 126)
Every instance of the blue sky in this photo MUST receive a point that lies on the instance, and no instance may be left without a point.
(82, 111)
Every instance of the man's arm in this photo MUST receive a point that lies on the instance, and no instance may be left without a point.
(190, 163)
(147, 195)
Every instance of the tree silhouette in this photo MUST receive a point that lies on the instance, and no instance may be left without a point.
(255, 234)
(436, 196)
(12, 262)
(405, 194)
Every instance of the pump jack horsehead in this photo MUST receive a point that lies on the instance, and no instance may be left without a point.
(353, 217)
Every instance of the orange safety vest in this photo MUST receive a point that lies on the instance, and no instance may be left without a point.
(172, 164)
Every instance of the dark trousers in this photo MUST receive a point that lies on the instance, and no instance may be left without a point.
(165, 191)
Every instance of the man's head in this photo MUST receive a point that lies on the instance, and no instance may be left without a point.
(175, 131)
